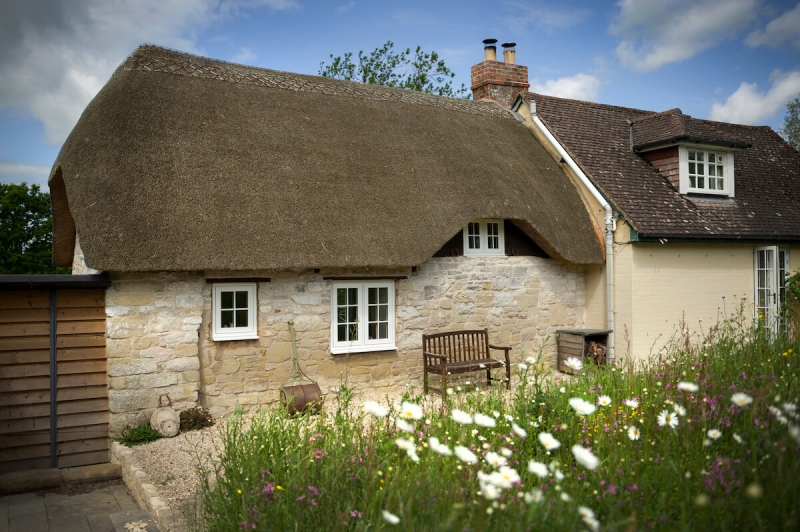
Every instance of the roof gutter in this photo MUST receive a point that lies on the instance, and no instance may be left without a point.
(610, 223)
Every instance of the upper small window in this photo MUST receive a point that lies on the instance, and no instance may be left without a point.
(234, 311)
(706, 171)
(484, 238)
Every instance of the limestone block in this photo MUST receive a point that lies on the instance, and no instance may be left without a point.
(185, 350)
(156, 353)
(120, 367)
(118, 348)
(232, 387)
(225, 367)
(260, 384)
(176, 338)
(154, 380)
(126, 327)
(129, 299)
(183, 364)
(381, 371)
(188, 300)
(189, 376)
(118, 383)
(112, 312)
(279, 351)
(558, 314)
(144, 342)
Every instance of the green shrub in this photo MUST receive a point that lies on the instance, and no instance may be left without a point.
(138, 435)
(195, 419)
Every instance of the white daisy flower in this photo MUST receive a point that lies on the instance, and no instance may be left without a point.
(688, 386)
(506, 452)
(410, 411)
(714, 434)
(737, 438)
(574, 363)
(585, 511)
(679, 409)
(495, 460)
(549, 442)
(583, 408)
(535, 495)
(390, 517)
(562, 390)
(604, 400)
(484, 421)
(565, 497)
(631, 403)
(667, 418)
(741, 399)
(403, 425)
(489, 491)
(634, 433)
(459, 416)
(537, 468)
(519, 431)
(405, 444)
(585, 457)
(529, 359)
(522, 366)
(465, 455)
(508, 476)
(438, 447)
(374, 409)
(790, 407)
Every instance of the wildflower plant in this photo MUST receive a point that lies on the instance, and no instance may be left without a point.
(706, 436)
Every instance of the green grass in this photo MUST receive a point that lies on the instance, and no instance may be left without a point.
(344, 470)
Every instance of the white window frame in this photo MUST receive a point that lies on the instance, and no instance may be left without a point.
(483, 250)
(683, 163)
(363, 344)
(250, 332)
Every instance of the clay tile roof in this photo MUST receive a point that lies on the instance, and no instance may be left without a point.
(186, 163)
(766, 205)
(673, 126)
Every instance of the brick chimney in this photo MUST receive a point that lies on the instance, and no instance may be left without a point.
(498, 80)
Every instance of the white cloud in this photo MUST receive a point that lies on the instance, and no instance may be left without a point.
(345, 8)
(244, 56)
(540, 16)
(658, 32)
(577, 87)
(784, 29)
(33, 174)
(749, 106)
(57, 55)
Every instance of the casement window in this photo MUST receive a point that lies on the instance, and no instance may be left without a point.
(484, 238)
(362, 316)
(706, 170)
(234, 306)
(771, 267)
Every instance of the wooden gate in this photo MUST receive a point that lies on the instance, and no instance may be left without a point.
(53, 389)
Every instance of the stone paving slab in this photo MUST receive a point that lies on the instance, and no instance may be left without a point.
(105, 509)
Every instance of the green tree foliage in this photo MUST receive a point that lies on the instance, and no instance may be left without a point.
(791, 123)
(417, 71)
(26, 230)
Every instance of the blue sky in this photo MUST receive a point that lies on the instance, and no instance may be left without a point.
(729, 60)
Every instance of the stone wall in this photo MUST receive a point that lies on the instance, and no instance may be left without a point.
(152, 323)
(159, 330)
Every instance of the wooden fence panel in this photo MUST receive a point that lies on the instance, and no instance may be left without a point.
(82, 417)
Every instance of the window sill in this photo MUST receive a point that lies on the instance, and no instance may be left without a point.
(247, 336)
(362, 349)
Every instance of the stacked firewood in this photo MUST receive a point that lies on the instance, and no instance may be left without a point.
(595, 351)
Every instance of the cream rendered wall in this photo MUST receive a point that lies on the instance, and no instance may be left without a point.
(684, 283)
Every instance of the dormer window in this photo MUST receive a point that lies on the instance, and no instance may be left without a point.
(706, 171)
(484, 238)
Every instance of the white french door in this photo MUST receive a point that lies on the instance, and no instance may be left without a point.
(771, 269)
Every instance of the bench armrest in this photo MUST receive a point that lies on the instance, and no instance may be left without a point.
(503, 348)
(434, 355)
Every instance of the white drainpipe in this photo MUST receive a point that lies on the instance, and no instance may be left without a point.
(611, 226)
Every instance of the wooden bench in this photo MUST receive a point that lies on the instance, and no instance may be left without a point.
(448, 353)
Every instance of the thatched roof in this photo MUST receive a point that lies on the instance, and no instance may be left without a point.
(185, 163)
